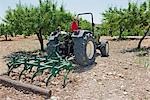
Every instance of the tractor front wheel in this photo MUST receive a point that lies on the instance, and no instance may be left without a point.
(104, 48)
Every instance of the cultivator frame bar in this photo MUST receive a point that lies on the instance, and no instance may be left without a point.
(54, 63)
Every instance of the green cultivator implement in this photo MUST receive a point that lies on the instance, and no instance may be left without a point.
(53, 63)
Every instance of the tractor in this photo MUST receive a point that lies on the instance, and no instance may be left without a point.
(80, 44)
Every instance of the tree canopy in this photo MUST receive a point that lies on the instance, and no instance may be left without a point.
(47, 16)
(130, 21)
(40, 20)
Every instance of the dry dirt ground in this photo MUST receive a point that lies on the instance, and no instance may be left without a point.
(121, 76)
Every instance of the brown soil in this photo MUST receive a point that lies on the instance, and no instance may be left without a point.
(121, 76)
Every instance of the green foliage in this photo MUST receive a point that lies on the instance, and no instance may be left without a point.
(5, 30)
(40, 20)
(29, 20)
(130, 21)
(84, 24)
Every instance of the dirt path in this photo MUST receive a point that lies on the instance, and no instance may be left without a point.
(3, 67)
(121, 76)
(118, 77)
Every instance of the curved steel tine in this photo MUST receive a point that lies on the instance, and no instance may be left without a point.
(21, 73)
(34, 75)
(10, 69)
(48, 79)
(30, 69)
(65, 78)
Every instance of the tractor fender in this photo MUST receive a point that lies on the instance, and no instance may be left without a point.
(56, 34)
(79, 33)
(53, 35)
(103, 42)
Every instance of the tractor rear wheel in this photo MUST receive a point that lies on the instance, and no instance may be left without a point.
(84, 50)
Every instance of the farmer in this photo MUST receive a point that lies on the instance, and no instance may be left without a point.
(74, 25)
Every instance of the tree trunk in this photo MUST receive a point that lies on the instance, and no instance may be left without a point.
(6, 37)
(110, 32)
(11, 35)
(39, 35)
(120, 35)
(139, 44)
(121, 31)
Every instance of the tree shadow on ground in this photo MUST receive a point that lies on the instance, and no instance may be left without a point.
(144, 51)
(6, 40)
(127, 38)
